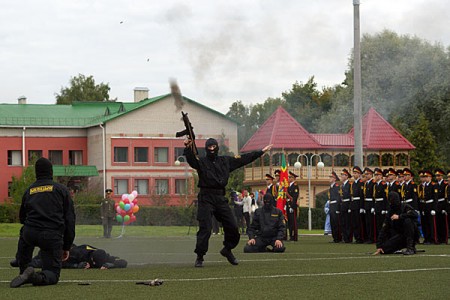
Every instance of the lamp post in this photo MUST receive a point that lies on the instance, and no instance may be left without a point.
(177, 163)
(298, 165)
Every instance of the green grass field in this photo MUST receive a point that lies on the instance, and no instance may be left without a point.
(311, 268)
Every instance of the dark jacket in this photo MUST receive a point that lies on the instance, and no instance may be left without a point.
(214, 174)
(47, 205)
(267, 224)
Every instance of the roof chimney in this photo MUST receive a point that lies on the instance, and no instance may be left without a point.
(140, 93)
(22, 100)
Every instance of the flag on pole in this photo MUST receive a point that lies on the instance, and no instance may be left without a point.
(283, 186)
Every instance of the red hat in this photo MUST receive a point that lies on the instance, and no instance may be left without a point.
(439, 172)
(292, 174)
(368, 170)
(277, 172)
(345, 172)
(378, 171)
(407, 171)
(333, 174)
(357, 169)
(268, 176)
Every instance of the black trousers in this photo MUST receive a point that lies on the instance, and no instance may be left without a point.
(50, 243)
(247, 221)
(292, 225)
(217, 205)
(107, 226)
(261, 244)
(335, 230)
(369, 222)
(441, 223)
(356, 225)
(397, 240)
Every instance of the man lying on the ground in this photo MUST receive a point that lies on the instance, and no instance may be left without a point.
(83, 257)
(267, 229)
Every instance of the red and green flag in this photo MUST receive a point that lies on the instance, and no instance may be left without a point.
(283, 186)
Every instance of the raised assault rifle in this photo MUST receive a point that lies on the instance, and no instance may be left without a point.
(189, 132)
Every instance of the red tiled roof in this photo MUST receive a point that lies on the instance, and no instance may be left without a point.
(379, 134)
(331, 140)
(283, 131)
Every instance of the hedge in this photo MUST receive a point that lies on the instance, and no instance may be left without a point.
(155, 215)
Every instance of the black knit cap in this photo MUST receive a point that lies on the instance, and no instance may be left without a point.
(43, 168)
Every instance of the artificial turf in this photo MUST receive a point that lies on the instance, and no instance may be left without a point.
(311, 268)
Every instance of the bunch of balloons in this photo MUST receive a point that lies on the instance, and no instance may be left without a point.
(126, 208)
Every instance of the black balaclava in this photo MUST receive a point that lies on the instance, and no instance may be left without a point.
(43, 169)
(394, 202)
(211, 154)
(268, 199)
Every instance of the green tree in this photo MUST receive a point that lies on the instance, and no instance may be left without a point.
(83, 88)
(424, 156)
(20, 184)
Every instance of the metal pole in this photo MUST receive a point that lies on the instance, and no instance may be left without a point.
(357, 100)
(309, 196)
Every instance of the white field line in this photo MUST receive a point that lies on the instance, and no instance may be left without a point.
(263, 276)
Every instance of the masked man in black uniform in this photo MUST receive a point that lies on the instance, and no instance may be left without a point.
(213, 172)
(399, 228)
(267, 228)
(48, 216)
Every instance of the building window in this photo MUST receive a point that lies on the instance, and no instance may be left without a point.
(161, 154)
(56, 157)
(14, 158)
(120, 186)
(75, 157)
(120, 154)
(162, 186)
(141, 186)
(180, 186)
(141, 154)
(178, 153)
(34, 155)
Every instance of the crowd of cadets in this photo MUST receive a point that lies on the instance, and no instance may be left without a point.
(358, 203)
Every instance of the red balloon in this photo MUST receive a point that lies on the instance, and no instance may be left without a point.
(133, 218)
(126, 201)
(123, 213)
(135, 201)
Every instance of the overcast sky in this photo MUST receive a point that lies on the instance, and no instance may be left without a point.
(219, 51)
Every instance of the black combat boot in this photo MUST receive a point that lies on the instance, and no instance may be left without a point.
(26, 277)
(229, 255)
(410, 247)
(199, 261)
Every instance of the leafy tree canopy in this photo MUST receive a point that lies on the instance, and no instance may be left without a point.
(84, 89)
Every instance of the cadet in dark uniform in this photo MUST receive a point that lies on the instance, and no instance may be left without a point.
(345, 210)
(409, 190)
(393, 184)
(291, 206)
(334, 200)
(272, 189)
(429, 209)
(267, 229)
(213, 173)
(441, 208)
(399, 228)
(48, 216)
(380, 197)
(108, 213)
(356, 205)
(369, 207)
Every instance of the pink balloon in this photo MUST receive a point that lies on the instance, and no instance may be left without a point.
(124, 196)
(135, 193)
(118, 209)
